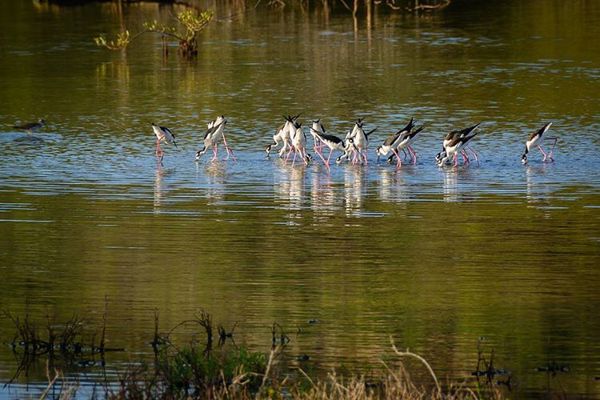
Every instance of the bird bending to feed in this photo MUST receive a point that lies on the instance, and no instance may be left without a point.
(390, 143)
(357, 142)
(298, 139)
(31, 126)
(331, 141)
(213, 135)
(536, 139)
(162, 135)
(283, 135)
(404, 142)
(317, 127)
(399, 141)
(454, 142)
(460, 133)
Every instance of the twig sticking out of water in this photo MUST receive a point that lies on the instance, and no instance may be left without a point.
(224, 335)
(205, 321)
(278, 338)
(103, 335)
(408, 353)
(275, 352)
(158, 340)
(488, 370)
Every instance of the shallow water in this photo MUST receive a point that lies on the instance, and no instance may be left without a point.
(436, 258)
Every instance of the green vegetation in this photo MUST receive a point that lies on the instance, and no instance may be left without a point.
(196, 370)
(190, 23)
(190, 371)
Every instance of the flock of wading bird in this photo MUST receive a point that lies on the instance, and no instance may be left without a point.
(353, 147)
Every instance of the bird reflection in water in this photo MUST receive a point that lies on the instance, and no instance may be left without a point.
(291, 188)
(450, 185)
(216, 176)
(392, 185)
(159, 187)
(354, 187)
(537, 191)
(323, 197)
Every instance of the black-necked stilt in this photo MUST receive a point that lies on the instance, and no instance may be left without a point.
(453, 146)
(331, 141)
(317, 127)
(283, 135)
(31, 126)
(162, 135)
(399, 141)
(536, 139)
(357, 142)
(406, 139)
(298, 141)
(277, 137)
(453, 136)
(214, 133)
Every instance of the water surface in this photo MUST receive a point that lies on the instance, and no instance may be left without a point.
(435, 258)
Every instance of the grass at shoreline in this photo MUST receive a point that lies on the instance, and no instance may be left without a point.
(223, 370)
(191, 373)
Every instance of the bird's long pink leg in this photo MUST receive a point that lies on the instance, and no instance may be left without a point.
(543, 152)
(364, 154)
(398, 160)
(228, 150)
(289, 152)
(474, 154)
(304, 155)
(225, 144)
(404, 153)
(159, 151)
(552, 150)
(413, 154)
(319, 150)
(318, 146)
(465, 158)
(215, 151)
(456, 159)
(328, 158)
(326, 162)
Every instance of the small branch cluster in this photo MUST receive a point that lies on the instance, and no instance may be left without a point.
(121, 41)
(190, 24)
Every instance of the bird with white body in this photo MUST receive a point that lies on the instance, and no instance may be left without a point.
(453, 143)
(455, 134)
(317, 127)
(399, 141)
(331, 141)
(535, 139)
(283, 135)
(357, 142)
(163, 134)
(212, 137)
(298, 141)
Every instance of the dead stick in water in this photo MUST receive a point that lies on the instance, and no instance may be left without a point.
(407, 353)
